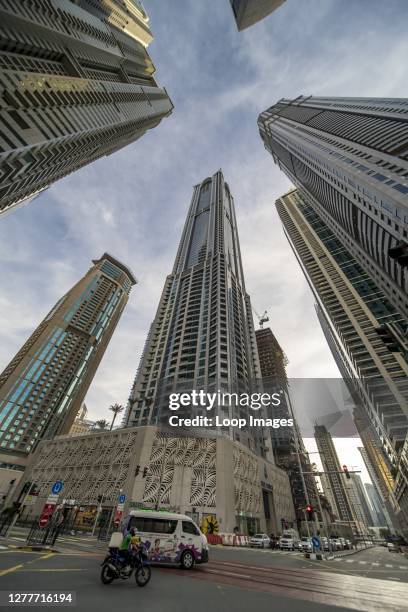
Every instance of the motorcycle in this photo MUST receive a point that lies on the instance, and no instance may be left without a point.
(118, 565)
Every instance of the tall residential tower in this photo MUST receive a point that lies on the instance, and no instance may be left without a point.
(349, 156)
(43, 387)
(287, 444)
(353, 309)
(76, 84)
(336, 480)
(203, 334)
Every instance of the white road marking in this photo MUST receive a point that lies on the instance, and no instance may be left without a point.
(388, 565)
(349, 560)
(363, 562)
(224, 573)
(376, 564)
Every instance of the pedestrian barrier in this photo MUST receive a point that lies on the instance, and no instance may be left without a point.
(234, 539)
(213, 538)
(42, 536)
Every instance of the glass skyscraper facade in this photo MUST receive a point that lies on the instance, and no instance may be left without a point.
(203, 334)
(349, 156)
(76, 84)
(43, 387)
(352, 309)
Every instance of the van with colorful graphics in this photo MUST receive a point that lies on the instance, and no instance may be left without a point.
(168, 537)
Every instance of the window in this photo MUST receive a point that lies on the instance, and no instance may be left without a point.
(190, 528)
(152, 525)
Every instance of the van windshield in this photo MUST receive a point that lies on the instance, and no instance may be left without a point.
(148, 524)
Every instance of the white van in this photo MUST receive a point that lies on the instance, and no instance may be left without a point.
(168, 537)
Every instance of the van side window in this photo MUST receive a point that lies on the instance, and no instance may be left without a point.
(190, 528)
(152, 525)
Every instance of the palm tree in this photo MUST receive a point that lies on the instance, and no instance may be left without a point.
(116, 409)
(101, 424)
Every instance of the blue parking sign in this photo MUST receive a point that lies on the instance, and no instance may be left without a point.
(316, 542)
(57, 487)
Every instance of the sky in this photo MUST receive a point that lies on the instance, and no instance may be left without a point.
(133, 204)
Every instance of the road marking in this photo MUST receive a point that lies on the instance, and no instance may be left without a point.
(225, 573)
(402, 567)
(10, 570)
(388, 565)
(48, 555)
(70, 569)
(363, 562)
(376, 564)
(349, 560)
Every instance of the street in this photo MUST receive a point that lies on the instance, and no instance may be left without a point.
(236, 579)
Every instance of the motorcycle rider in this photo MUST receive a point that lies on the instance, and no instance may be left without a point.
(129, 546)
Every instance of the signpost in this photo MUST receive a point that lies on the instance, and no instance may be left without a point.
(316, 542)
(50, 504)
(57, 487)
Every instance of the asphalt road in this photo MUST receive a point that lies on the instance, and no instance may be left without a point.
(374, 562)
(235, 579)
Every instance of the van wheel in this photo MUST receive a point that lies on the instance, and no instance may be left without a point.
(187, 560)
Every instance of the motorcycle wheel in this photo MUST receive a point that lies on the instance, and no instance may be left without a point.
(107, 575)
(143, 575)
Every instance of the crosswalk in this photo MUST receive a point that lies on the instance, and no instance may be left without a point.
(372, 563)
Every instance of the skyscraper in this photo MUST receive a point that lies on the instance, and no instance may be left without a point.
(353, 308)
(203, 335)
(349, 156)
(379, 517)
(77, 84)
(331, 465)
(249, 12)
(43, 387)
(287, 444)
(360, 501)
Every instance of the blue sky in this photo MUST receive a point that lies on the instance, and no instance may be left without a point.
(133, 203)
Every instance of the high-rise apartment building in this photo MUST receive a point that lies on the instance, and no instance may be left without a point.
(349, 156)
(76, 84)
(358, 496)
(43, 387)
(203, 335)
(287, 444)
(354, 309)
(249, 12)
(378, 514)
(336, 480)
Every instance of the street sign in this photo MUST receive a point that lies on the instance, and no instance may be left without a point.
(122, 498)
(57, 487)
(118, 516)
(316, 542)
(46, 514)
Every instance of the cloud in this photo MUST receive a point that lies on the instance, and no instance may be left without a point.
(134, 202)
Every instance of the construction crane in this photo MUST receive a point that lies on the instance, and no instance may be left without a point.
(263, 319)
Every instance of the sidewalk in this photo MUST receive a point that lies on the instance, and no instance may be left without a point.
(80, 541)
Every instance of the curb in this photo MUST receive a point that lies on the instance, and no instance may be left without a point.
(352, 552)
(319, 556)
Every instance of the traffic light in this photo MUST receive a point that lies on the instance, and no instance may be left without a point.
(145, 472)
(345, 470)
(309, 510)
(137, 470)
